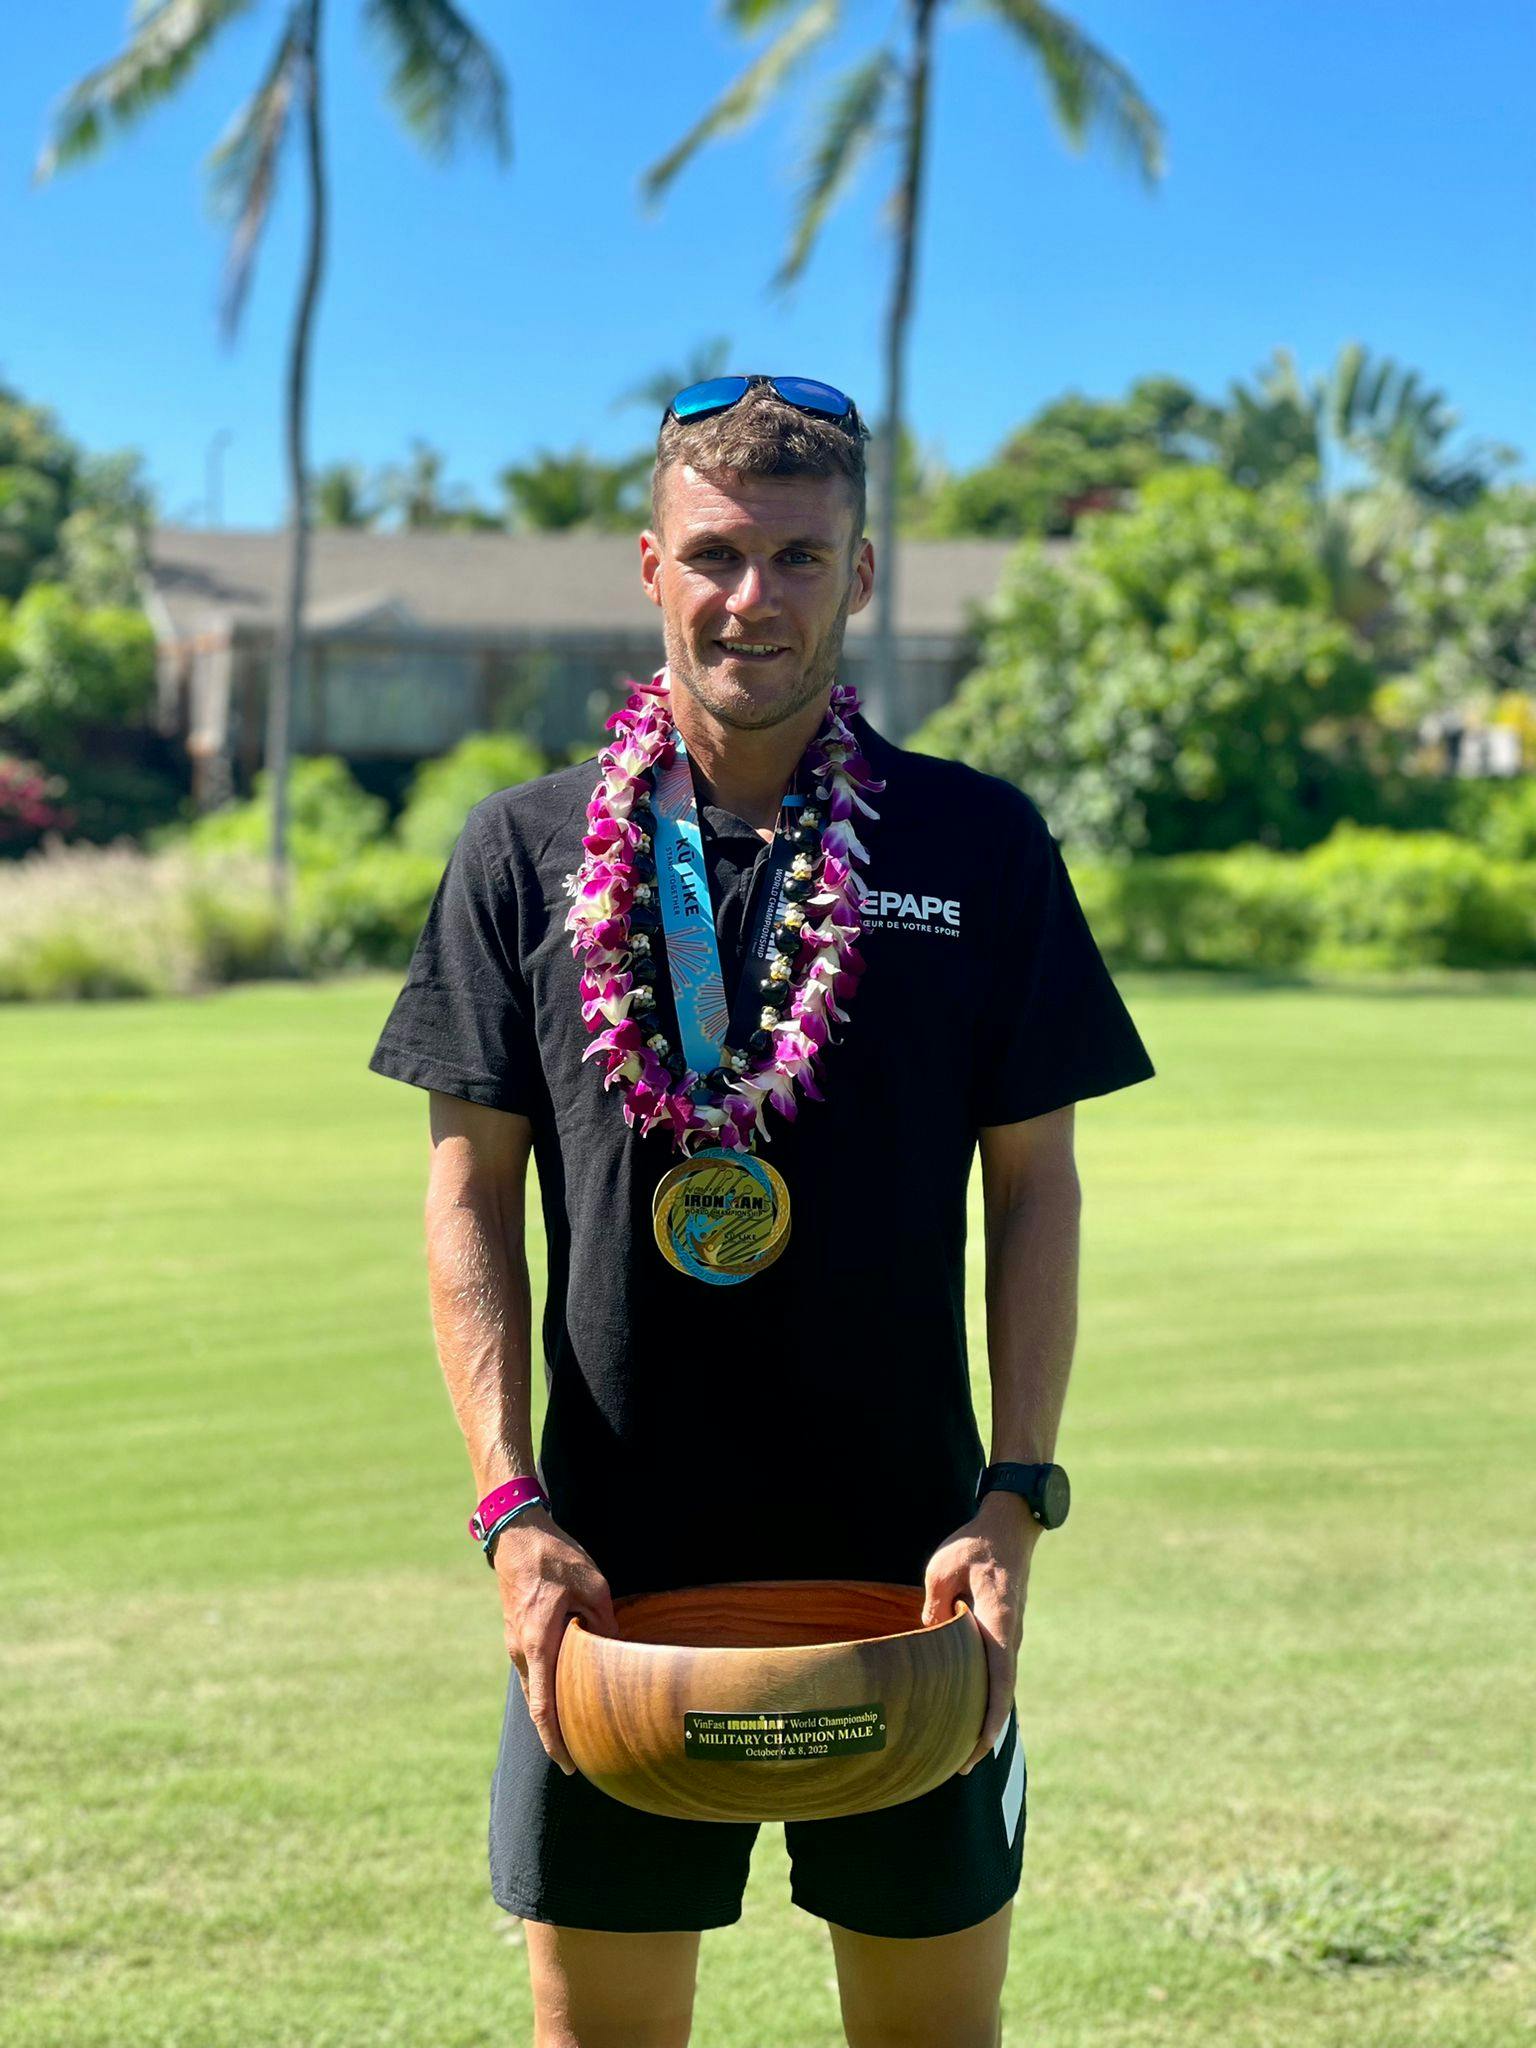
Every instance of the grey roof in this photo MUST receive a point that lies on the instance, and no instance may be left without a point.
(491, 585)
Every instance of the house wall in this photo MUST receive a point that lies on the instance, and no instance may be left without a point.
(388, 700)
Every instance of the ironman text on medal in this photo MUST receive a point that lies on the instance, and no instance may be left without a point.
(721, 1216)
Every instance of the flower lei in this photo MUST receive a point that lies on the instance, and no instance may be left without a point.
(616, 922)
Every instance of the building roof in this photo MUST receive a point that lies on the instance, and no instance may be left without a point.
(491, 585)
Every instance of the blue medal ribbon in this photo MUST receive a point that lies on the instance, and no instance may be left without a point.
(688, 915)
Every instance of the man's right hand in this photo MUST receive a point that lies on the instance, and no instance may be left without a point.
(545, 1577)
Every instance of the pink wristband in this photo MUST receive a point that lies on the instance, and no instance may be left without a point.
(515, 1494)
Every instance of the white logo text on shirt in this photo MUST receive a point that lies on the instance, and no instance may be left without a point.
(903, 910)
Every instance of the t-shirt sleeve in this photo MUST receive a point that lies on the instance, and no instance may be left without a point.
(1054, 1029)
(463, 1023)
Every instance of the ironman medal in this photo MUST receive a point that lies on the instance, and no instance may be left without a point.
(721, 1216)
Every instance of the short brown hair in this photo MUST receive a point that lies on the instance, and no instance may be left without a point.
(762, 435)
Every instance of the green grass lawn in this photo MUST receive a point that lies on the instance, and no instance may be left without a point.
(253, 1672)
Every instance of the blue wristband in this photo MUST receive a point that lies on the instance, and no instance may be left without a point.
(501, 1522)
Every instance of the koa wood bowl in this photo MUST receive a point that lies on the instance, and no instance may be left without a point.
(774, 1699)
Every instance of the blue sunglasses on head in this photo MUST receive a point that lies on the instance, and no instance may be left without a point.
(719, 394)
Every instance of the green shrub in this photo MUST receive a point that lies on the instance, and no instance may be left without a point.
(443, 792)
(365, 912)
(87, 921)
(64, 666)
(1240, 909)
(1362, 899)
(1417, 899)
(232, 921)
(74, 964)
(1499, 816)
(1179, 682)
(330, 818)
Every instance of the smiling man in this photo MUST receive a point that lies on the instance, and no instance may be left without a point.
(755, 964)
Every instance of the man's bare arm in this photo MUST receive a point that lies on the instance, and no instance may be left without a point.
(482, 1320)
(1033, 1203)
(1032, 1200)
(477, 1272)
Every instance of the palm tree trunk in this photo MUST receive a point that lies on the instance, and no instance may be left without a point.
(290, 636)
(908, 200)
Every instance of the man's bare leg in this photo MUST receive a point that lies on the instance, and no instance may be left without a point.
(598, 1990)
(941, 1992)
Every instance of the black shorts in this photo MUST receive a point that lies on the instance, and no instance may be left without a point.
(563, 1851)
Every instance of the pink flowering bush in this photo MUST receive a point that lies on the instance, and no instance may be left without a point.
(31, 802)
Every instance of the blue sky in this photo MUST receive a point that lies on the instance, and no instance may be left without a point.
(1362, 171)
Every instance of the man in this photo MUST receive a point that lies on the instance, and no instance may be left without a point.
(904, 975)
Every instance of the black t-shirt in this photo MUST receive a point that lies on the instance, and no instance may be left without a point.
(814, 1421)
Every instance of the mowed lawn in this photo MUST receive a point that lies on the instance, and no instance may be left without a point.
(253, 1673)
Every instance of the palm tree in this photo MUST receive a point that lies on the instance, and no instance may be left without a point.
(443, 81)
(554, 493)
(415, 492)
(341, 495)
(1379, 413)
(1087, 89)
(1368, 407)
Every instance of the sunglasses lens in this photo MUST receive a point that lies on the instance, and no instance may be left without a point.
(813, 396)
(713, 395)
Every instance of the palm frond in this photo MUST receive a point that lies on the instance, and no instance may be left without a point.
(167, 40)
(746, 94)
(1282, 381)
(1345, 388)
(750, 15)
(851, 124)
(1374, 396)
(446, 79)
(1088, 89)
(242, 167)
(707, 360)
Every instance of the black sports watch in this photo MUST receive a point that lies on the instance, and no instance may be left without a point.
(1044, 1489)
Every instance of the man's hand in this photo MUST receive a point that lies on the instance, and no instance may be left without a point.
(545, 1577)
(986, 1564)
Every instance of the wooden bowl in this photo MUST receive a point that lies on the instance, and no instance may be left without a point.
(774, 1699)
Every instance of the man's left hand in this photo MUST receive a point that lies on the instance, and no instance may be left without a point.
(986, 1564)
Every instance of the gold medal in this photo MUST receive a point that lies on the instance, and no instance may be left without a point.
(721, 1216)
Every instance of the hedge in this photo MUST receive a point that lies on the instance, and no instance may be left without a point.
(1361, 898)
(84, 921)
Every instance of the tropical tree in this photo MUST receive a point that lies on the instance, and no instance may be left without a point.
(883, 98)
(1372, 413)
(1075, 455)
(1365, 407)
(422, 502)
(341, 494)
(443, 81)
(556, 492)
(1177, 680)
(67, 515)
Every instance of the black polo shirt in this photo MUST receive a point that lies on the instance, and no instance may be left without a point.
(816, 1420)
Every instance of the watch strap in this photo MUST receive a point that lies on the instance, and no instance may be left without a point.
(1030, 1483)
(502, 1500)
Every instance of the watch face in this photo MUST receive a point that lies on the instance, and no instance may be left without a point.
(1055, 1497)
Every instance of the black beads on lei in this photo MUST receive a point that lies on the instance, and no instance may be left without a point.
(775, 991)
